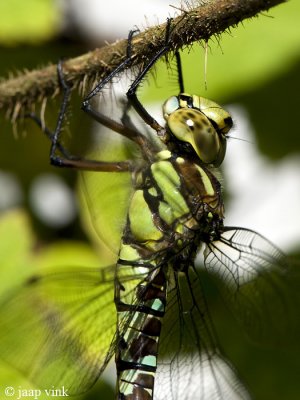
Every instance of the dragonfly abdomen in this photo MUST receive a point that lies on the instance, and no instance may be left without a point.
(163, 227)
(136, 356)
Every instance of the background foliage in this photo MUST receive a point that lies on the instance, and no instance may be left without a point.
(256, 66)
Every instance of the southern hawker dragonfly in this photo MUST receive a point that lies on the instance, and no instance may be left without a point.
(161, 334)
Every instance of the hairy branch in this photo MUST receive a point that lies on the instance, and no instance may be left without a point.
(192, 25)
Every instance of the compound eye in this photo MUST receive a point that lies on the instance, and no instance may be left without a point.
(192, 126)
(217, 114)
(170, 106)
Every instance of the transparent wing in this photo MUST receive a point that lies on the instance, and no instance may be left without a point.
(58, 328)
(258, 284)
(104, 196)
(189, 364)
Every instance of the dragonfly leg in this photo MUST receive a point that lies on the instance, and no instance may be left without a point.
(127, 131)
(179, 72)
(66, 159)
(131, 94)
(117, 70)
(47, 132)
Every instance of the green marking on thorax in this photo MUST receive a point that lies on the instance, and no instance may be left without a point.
(166, 213)
(164, 155)
(206, 182)
(169, 182)
(141, 222)
(128, 253)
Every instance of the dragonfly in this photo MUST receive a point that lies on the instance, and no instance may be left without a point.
(59, 328)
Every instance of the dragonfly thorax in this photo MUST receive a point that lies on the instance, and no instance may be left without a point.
(200, 123)
(175, 207)
(177, 201)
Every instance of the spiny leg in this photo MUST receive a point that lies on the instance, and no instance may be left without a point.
(79, 163)
(131, 94)
(179, 72)
(66, 159)
(127, 131)
(47, 132)
(54, 159)
(119, 68)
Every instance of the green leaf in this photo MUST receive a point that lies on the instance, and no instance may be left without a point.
(244, 58)
(16, 242)
(30, 21)
(21, 257)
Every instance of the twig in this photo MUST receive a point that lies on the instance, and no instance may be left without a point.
(192, 25)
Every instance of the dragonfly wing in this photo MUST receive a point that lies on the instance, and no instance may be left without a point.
(257, 281)
(104, 204)
(58, 328)
(189, 364)
(104, 196)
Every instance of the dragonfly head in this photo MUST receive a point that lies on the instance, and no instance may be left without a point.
(201, 123)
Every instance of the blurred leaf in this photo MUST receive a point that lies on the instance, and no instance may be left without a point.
(255, 52)
(272, 109)
(15, 248)
(21, 257)
(244, 58)
(30, 21)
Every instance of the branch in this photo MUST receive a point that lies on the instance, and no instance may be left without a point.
(192, 25)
